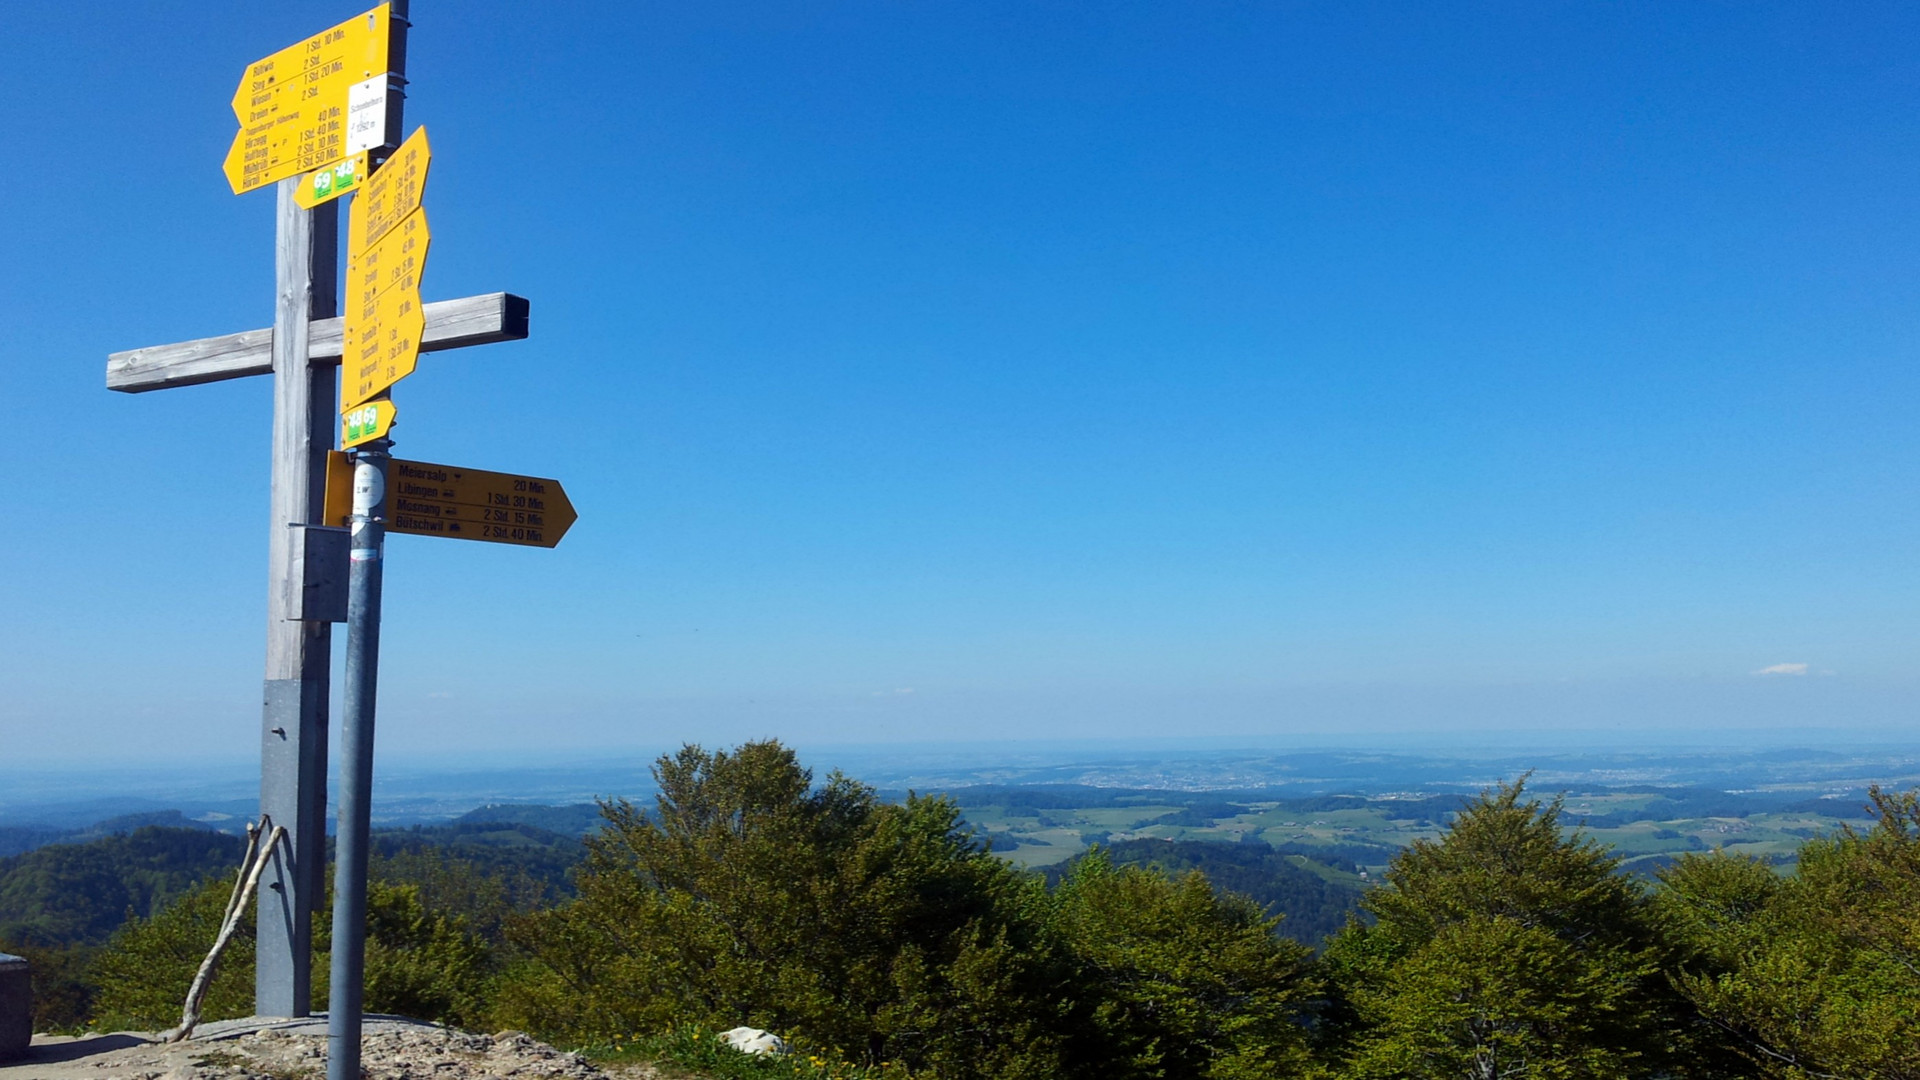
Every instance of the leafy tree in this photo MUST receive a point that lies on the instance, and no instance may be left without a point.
(1313, 907)
(750, 896)
(1505, 949)
(1183, 982)
(1818, 974)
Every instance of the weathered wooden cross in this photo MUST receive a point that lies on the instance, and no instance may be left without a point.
(301, 350)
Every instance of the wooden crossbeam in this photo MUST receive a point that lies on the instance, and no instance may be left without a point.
(451, 324)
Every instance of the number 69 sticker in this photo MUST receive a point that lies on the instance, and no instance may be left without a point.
(366, 422)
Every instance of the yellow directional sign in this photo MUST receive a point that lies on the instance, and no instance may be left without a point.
(366, 422)
(329, 183)
(465, 504)
(392, 193)
(469, 504)
(312, 103)
(395, 259)
(384, 320)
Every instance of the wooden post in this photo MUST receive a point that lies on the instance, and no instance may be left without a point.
(293, 740)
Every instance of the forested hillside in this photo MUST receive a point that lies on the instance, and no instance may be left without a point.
(78, 893)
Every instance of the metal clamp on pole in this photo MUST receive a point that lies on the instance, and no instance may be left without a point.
(367, 529)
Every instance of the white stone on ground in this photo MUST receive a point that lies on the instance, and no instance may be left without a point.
(750, 1040)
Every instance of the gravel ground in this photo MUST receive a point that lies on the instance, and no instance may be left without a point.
(392, 1049)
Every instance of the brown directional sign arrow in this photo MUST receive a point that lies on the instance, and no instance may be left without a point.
(470, 504)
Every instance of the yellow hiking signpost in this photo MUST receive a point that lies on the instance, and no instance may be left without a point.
(317, 121)
(315, 102)
(392, 193)
(387, 240)
(471, 504)
(425, 499)
(383, 323)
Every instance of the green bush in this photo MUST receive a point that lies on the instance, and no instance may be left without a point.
(146, 967)
(420, 963)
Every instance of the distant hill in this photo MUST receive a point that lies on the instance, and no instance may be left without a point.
(18, 839)
(1848, 807)
(1203, 804)
(79, 893)
(578, 819)
(15, 839)
(1314, 907)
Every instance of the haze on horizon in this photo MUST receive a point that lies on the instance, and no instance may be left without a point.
(974, 372)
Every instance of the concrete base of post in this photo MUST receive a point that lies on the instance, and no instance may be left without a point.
(16, 1006)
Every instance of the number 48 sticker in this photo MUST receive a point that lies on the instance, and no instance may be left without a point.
(366, 422)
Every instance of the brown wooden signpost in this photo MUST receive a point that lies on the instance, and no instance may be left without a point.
(318, 120)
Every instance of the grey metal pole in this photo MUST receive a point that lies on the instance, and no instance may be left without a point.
(348, 968)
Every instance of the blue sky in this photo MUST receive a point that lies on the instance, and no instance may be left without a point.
(1011, 371)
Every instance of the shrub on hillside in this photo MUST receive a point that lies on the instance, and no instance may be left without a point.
(145, 970)
(420, 963)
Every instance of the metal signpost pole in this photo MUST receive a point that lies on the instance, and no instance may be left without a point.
(293, 738)
(356, 762)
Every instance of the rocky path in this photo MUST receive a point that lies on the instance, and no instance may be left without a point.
(394, 1049)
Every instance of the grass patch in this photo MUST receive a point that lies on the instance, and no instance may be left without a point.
(688, 1052)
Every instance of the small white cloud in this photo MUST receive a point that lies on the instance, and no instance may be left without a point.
(1783, 669)
(905, 690)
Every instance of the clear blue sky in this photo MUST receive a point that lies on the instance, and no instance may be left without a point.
(1020, 370)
